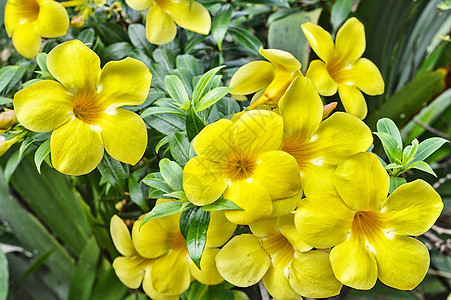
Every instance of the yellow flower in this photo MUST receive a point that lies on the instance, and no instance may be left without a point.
(243, 160)
(318, 146)
(369, 230)
(29, 20)
(83, 110)
(163, 15)
(276, 253)
(269, 79)
(160, 257)
(5, 145)
(342, 67)
(7, 120)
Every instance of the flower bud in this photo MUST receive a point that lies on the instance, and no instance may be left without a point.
(7, 120)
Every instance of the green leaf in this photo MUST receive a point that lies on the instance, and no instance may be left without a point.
(83, 278)
(167, 209)
(176, 89)
(164, 141)
(25, 144)
(185, 220)
(194, 124)
(9, 75)
(396, 182)
(87, 36)
(427, 147)
(6, 101)
(390, 145)
(220, 24)
(340, 12)
(179, 146)
(11, 166)
(113, 172)
(422, 166)
(137, 34)
(166, 123)
(393, 166)
(41, 153)
(202, 84)
(386, 125)
(155, 180)
(34, 267)
(197, 235)
(136, 194)
(41, 59)
(246, 39)
(212, 97)
(221, 204)
(187, 62)
(111, 32)
(110, 287)
(177, 195)
(165, 58)
(172, 174)
(409, 152)
(161, 110)
(118, 51)
(4, 276)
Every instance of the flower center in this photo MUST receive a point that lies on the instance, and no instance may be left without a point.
(339, 71)
(166, 5)
(367, 225)
(29, 11)
(239, 167)
(86, 107)
(279, 249)
(302, 150)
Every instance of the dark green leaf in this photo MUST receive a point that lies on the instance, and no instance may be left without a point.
(422, 166)
(161, 110)
(118, 51)
(25, 144)
(87, 36)
(203, 83)
(246, 39)
(194, 124)
(176, 89)
(113, 172)
(166, 123)
(111, 33)
(9, 75)
(386, 125)
(11, 166)
(390, 145)
(427, 147)
(185, 220)
(155, 180)
(179, 146)
(164, 58)
(188, 62)
(197, 235)
(167, 209)
(34, 267)
(110, 287)
(137, 34)
(212, 97)
(340, 12)
(164, 141)
(172, 174)
(4, 276)
(136, 194)
(220, 24)
(220, 204)
(41, 153)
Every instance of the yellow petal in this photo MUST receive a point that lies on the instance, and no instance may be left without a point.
(367, 77)
(140, 4)
(350, 42)
(121, 237)
(76, 148)
(362, 182)
(203, 181)
(242, 261)
(169, 223)
(412, 208)
(324, 83)
(281, 59)
(151, 292)
(320, 41)
(192, 16)
(124, 135)
(160, 28)
(402, 261)
(43, 106)
(124, 82)
(252, 77)
(220, 230)
(285, 206)
(301, 109)
(354, 265)
(250, 196)
(258, 131)
(151, 240)
(53, 20)
(214, 141)
(281, 184)
(130, 270)
(170, 272)
(323, 220)
(277, 284)
(208, 274)
(312, 275)
(318, 177)
(286, 226)
(265, 228)
(75, 66)
(353, 100)
(26, 39)
(13, 16)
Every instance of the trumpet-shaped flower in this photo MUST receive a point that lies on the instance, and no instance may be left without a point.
(160, 258)
(29, 20)
(341, 66)
(163, 15)
(269, 79)
(83, 110)
(318, 146)
(276, 253)
(242, 160)
(369, 230)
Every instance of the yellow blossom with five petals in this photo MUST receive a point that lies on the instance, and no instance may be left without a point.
(83, 108)
(29, 20)
(242, 160)
(367, 230)
(341, 66)
(163, 15)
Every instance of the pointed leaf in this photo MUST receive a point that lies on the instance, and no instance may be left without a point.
(179, 146)
(396, 182)
(41, 153)
(203, 83)
(172, 174)
(391, 147)
(220, 204)
(176, 89)
(388, 126)
(212, 97)
(113, 172)
(167, 209)
(220, 24)
(427, 147)
(194, 124)
(197, 235)
(423, 166)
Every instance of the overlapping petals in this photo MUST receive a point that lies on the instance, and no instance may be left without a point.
(242, 160)
(367, 229)
(83, 108)
(342, 67)
(163, 16)
(29, 20)
(318, 146)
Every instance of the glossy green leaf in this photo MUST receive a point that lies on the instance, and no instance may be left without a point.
(163, 142)
(111, 32)
(172, 174)
(87, 36)
(246, 39)
(391, 147)
(220, 24)
(409, 152)
(136, 194)
(166, 123)
(167, 209)
(41, 60)
(396, 182)
(155, 180)
(187, 62)
(11, 166)
(118, 50)
(386, 125)
(164, 58)
(113, 172)
(137, 34)
(423, 166)
(427, 147)
(177, 195)
(27, 142)
(110, 287)
(196, 237)
(340, 12)
(179, 146)
(176, 89)
(161, 110)
(4, 276)
(9, 76)
(194, 124)
(212, 97)
(220, 204)
(202, 84)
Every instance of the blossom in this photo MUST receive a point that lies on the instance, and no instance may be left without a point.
(83, 110)
(269, 79)
(29, 20)
(242, 160)
(158, 257)
(276, 253)
(318, 146)
(342, 67)
(163, 15)
(368, 230)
